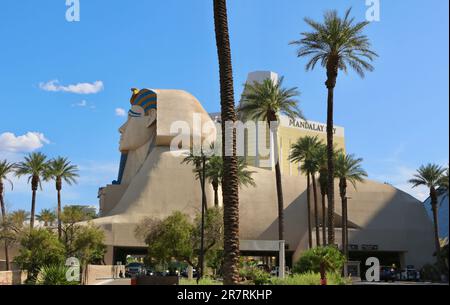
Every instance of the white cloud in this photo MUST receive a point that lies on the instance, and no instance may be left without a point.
(120, 112)
(398, 177)
(82, 103)
(28, 142)
(80, 88)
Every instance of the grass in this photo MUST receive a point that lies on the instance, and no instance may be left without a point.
(310, 278)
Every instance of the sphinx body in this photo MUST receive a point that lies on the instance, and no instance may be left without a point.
(153, 182)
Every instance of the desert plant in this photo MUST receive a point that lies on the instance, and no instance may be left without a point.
(311, 260)
(54, 275)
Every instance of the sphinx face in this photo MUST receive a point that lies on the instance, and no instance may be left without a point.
(136, 131)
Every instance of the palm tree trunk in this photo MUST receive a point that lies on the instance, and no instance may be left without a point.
(278, 184)
(216, 194)
(343, 193)
(330, 84)
(230, 186)
(345, 227)
(2, 203)
(33, 208)
(308, 200)
(59, 214)
(324, 226)
(316, 211)
(434, 209)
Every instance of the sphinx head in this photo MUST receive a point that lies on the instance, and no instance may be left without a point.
(140, 126)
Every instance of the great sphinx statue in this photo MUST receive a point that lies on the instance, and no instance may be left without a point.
(154, 182)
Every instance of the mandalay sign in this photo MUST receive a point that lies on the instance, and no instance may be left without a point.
(310, 126)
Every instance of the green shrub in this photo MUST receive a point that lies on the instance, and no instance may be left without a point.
(311, 259)
(310, 278)
(430, 272)
(39, 248)
(53, 275)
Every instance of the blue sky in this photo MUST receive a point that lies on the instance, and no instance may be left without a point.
(396, 118)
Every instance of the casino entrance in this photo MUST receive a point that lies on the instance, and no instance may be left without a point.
(387, 258)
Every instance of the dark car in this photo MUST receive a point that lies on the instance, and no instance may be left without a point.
(135, 269)
(388, 273)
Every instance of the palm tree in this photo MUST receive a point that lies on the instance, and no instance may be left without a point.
(265, 101)
(443, 183)
(47, 216)
(305, 151)
(348, 169)
(230, 183)
(430, 176)
(35, 166)
(214, 171)
(59, 170)
(6, 168)
(337, 44)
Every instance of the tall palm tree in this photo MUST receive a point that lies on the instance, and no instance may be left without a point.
(6, 168)
(47, 216)
(430, 176)
(35, 167)
(348, 169)
(61, 170)
(230, 183)
(265, 101)
(337, 43)
(214, 172)
(305, 151)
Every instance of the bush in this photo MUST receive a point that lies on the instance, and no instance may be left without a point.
(39, 248)
(310, 278)
(311, 259)
(430, 273)
(53, 275)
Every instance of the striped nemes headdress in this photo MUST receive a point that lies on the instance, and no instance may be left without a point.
(144, 98)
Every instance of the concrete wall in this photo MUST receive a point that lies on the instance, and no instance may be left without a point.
(99, 273)
(12, 277)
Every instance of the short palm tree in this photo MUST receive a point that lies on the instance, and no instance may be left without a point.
(304, 151)
(61, 170)
(35, 167)
(6, 169)
(214, 171)
(265, 101)
(337, 43)
(431, 176)
(47, 216)
(348, 169)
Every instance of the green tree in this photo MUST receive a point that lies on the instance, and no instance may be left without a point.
(214, 173)
(337, 43)
(304, 151)
(312, 260)
(39, 247)
(81, 239)
(265, 101)
(430, 176)
(230, 183)
(347, 169)
(6, 169)
(35, 167)
(177, 237)
(47, 216)
(60, 170)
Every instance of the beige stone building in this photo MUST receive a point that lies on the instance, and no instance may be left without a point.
(152, 182)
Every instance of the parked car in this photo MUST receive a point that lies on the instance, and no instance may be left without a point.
(409, 274)
(135, 269)
(388, 273)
